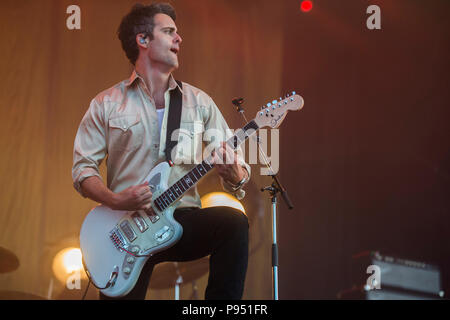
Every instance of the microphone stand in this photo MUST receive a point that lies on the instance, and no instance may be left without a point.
(275, 188)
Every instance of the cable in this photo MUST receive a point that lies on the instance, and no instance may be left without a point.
(135, 255)
(87, 288)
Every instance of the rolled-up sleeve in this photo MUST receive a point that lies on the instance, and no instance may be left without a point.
(90, 145)
(215, 120)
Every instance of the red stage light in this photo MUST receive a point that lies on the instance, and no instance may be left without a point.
(306, 6)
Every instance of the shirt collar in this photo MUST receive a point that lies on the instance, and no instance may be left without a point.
(172, 83)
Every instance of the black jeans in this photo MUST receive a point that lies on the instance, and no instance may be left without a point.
(220, 232)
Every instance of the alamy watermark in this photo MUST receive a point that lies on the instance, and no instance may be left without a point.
(73, 281)
(374, 20)
(190, 149)
(373, 281)
(73, 21)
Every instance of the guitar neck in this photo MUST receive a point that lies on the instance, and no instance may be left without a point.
(179, 188)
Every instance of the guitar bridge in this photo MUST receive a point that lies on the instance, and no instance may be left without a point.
(117, 239)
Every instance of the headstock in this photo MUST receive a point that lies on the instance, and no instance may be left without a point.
(273, 113)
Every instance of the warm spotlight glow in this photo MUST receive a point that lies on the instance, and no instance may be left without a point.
(72, 260)
(306, 6)
(66, 262)
(217, 199)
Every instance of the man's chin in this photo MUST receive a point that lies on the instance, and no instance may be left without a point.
(175, 65)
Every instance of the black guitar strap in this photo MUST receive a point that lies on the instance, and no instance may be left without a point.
(173, 120)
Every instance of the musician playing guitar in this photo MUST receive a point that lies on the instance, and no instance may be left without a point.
(127, 123)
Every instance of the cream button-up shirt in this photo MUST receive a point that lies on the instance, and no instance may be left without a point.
(121, 125)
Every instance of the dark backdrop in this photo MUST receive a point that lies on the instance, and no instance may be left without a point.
(367, 163)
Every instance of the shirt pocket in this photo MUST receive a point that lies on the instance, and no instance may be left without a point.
(126, 133)
(189, 146)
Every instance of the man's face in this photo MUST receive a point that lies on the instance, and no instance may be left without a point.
(163, 49)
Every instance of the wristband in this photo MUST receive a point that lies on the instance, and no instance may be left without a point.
(235, 187)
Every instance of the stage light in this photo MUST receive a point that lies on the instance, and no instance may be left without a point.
(67, 262)
(216, 199)
(306, 6)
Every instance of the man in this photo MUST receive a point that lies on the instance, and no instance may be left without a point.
(128, 124)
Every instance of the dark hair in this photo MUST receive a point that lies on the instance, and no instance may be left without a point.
(140, 20)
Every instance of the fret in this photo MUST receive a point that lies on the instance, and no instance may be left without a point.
(180, 186)
(161, 202)
(158, 204)
(198, 172)
(174, 191)
(166, 201)
(177, 189)
(170, 195)
(193, 173)
(185, 185)
(201, 169)
(162, 206)
(167, 196)
(192, 176)
(188, 181)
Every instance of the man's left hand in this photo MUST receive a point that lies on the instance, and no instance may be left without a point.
(226, 162)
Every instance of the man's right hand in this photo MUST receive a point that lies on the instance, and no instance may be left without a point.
(133, 198)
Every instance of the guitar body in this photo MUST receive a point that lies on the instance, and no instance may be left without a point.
(105, 234)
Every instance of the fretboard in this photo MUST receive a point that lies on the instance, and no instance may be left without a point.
(177, 190)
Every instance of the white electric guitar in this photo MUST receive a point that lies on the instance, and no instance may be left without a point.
(116, 244)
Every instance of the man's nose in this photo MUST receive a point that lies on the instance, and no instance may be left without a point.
(178, 38)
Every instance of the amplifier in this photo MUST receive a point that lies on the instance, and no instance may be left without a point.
(395, 276)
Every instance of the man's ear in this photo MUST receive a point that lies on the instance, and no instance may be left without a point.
(142, 40)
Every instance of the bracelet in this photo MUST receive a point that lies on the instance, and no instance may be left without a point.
(240, 183)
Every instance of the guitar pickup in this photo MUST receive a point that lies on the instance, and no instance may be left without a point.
(140, 222)
(152, 216)
(128, 231)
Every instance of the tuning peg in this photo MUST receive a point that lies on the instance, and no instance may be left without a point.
(268, 105)
(293, 92)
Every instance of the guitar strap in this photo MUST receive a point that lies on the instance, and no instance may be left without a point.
(173, 120)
